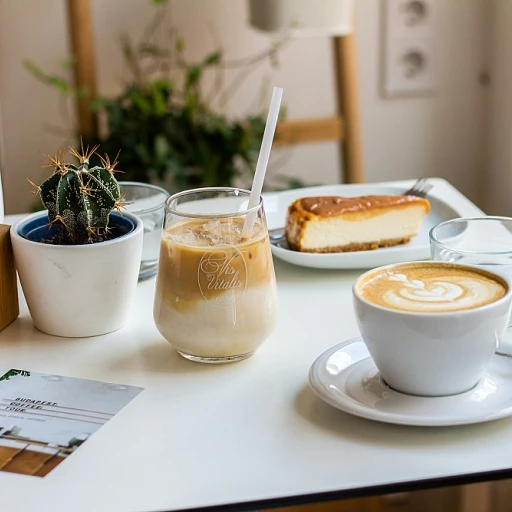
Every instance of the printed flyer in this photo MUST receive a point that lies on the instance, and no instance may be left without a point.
(44, 418)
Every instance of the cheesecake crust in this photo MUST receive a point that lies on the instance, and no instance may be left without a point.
(355, 247)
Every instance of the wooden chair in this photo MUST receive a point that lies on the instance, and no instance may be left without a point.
(344, 127)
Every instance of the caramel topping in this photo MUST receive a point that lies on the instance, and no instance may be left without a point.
(328, 206)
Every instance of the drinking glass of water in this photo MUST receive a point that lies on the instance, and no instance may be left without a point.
(147, 202)
(482, 241)
(485, 241)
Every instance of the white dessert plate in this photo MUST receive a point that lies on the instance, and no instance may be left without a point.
(346, 377)
(446, 203)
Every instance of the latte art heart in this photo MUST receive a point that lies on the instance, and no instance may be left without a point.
(452, 292)
(432, 289)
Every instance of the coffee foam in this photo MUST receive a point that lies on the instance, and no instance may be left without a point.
(214, 232)
(431, 288)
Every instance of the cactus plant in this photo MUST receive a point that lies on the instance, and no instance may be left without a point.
(80, 198)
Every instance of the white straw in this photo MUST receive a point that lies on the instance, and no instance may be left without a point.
(261, 165)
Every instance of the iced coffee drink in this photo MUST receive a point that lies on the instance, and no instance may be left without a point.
(216, 295)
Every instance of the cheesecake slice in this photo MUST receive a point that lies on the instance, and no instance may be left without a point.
(344, 224)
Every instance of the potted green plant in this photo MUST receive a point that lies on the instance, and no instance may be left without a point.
(78, 261)
(170, 129)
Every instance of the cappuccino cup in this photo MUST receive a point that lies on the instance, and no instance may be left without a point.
(432, 327)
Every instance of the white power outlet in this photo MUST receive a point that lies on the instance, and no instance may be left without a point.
(410, 49)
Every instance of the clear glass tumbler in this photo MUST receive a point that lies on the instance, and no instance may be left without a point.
(216, 298)
(482, 241)
(147, 202)
(485, 241)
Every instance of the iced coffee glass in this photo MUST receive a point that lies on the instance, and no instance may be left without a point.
(216, 298)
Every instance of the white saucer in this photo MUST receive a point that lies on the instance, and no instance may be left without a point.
(346, 377)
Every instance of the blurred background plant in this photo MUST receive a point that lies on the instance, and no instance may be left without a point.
(169, 128)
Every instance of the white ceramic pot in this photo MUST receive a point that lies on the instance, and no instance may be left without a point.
(303, 17)
(78, 290)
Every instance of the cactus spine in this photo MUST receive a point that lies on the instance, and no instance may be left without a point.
(81, 198)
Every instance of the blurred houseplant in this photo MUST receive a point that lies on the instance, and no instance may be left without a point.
(166, 125)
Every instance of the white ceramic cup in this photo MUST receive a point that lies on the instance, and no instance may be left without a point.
(431, 353)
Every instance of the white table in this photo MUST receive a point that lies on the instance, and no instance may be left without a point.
(250, 434)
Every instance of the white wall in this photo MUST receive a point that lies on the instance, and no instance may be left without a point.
(439, 135)
(30, 111)
(498, 178)
(442, 135)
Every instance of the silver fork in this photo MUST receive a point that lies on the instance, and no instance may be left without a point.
(420, 189)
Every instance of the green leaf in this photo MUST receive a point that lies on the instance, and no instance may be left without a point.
(158, 2)
(98, 103)
(115, 117)
(127, 48)
(180, 44)
(152, 50)
(141, 102)
(82, 92)
(68, 63)
(213, 58)
(143, 155)
(164, 85)
(35, 69)
(162, 148)
(159, 102)
(56, 81)
(61, 83)
(193, 76)
(191, 103)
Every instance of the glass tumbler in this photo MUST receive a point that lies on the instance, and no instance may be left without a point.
(482, 241)
(147, 202)
(485, 241)
(216, 298)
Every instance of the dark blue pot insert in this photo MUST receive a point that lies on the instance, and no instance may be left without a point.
(38, 229)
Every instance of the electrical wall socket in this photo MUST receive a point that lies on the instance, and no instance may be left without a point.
(410, 48)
